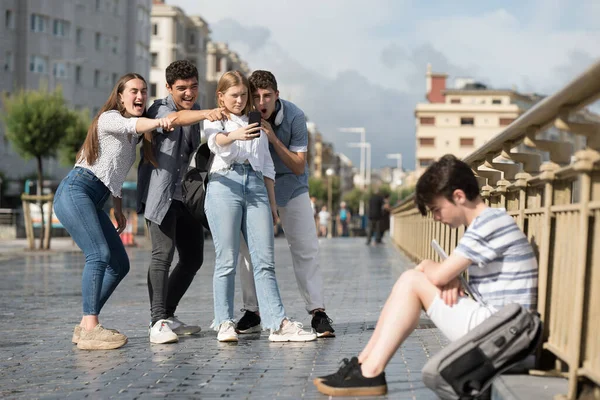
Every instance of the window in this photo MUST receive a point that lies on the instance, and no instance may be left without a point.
(78, 74)
(38, 65)
(114, 78)
(154, 59)
(38, 23)
(426, 142)
(218, 66)
(454, 101)
(153, 90)
(427, 120)
(78, 36)
(116, 7)
(8, 61)
(98, 5)
(115, 44)
(496, 101)
(506, 121)
(425, 162)
(9, 22)
(59, 70)
(96, 79)
(467, 121)
(60, 28)
(98, 41)
(192, 39)
(154, 29)
(467, 142)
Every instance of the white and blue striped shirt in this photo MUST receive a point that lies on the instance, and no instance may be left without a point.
(504, 268)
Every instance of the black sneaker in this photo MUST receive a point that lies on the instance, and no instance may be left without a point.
(347, 365)
(249, 323)
(321, 323)
(353, 383)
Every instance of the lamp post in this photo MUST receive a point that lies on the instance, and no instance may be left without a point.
(367, 147)
(363, 134)
(398, 157)
(329, 172)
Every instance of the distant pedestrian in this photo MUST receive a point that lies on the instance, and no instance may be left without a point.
(106, 156)
(375, 213)
(240, 197)
(343, 219)
(384, 224)
(324, 218)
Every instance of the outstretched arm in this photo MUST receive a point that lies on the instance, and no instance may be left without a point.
(190, 117)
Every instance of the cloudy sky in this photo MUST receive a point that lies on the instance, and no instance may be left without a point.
(359, 63)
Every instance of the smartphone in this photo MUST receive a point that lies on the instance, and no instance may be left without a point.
(254, 117)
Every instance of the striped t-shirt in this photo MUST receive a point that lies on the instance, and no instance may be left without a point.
(504, 268)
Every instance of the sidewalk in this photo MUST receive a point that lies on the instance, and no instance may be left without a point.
(40, 303)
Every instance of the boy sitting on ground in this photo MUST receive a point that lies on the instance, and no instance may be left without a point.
(502, 269)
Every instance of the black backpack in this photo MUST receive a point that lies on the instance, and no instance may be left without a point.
(195, 182)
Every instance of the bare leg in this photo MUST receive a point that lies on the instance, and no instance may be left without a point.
(398, 319)
(88, 322)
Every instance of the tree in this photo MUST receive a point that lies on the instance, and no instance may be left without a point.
(74, 137)
(36, 121)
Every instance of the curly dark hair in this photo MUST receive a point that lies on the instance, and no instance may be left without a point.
(180, 69)
(261, 79)
(442, 178)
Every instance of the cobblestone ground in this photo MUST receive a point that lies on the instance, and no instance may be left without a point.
(40, 303)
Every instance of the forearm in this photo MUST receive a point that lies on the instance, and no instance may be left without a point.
(291, 160)
(223, 139)
(144, 125)
(189, 117)
(117, 203)
(270, 184)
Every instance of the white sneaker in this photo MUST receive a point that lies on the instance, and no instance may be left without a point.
(181, 328)
(292, 332)
(161, 333)
(227, 332)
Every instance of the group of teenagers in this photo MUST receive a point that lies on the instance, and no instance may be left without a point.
(260, 174)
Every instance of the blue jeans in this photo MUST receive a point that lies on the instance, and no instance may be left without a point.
(237, 200)
(78, 205)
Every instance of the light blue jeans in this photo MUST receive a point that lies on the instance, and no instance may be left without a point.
(78, 205)
(236, 199)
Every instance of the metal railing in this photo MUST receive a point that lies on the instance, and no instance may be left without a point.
(557, 205)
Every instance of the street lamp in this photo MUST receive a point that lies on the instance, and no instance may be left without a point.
(329, 172)
(367, 147)
(398, 157)
(363, 134)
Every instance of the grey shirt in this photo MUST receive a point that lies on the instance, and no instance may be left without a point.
(158, 187)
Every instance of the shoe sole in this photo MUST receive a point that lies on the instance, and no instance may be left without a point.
(175, 340)
(253, 329)
(291, 340)
(357, 391)
(228, 340)
(326, 334)
(187, 333)
(99, 345)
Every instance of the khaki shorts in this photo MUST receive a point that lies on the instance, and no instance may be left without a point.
(459, 319)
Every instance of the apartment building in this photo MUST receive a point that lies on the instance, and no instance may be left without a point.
(83, 46)
(460, 119)
(220, 59)
(177, 36)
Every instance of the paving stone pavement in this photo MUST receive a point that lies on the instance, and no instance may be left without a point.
(40, 304)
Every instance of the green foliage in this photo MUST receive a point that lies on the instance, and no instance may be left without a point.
(74, 137)
(353, 198)
(36, 121)
(317, 187)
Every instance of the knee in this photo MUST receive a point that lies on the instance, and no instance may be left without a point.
(101, 255)
(408, 280)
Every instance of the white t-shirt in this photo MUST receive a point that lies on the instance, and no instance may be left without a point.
(324, 217)
(256, 151)
(117, 141)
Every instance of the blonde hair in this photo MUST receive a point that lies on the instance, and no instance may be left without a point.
(229, 80)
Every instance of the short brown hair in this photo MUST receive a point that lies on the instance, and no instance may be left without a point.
(261, 79)
(442, 178)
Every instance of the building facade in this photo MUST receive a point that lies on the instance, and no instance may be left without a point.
(459, 120)
(177, 36)
(220, 59)
(80, 45)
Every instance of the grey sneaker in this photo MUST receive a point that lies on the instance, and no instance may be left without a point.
(100, 338)
(181, 328)
(292, 332)
(227, 332)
